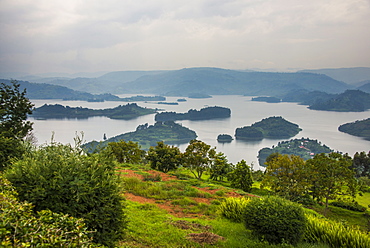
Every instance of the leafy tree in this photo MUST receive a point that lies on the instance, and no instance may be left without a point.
(287, 176)
(21, 227)
(219, 167)
(198, 157)
(241, 177)
(65, 180)
(361, 164)
(331, 176)
(164, 157)
(14, 107)
(126, 152)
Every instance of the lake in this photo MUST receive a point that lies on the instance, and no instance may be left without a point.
(320, 125)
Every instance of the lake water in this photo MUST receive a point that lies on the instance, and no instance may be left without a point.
(320, 125)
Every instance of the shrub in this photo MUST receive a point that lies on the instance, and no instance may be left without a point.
(20, 227)
(354, 206)
(233, 208)
(62, 179)
(275, 219)
(321, 230)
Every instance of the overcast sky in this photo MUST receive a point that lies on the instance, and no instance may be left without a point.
(70, 36)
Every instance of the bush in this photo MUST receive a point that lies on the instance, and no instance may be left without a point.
(62, 179)
(354, 206)
(275, 219)
(20, 227)
(321, 230)
(233, 208)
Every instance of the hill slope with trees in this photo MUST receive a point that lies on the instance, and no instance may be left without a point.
(193, 114)
(357, 128)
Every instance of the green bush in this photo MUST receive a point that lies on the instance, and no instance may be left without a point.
(354, 206)
(233, 208)
(276, 220)
(321, 230)
(21, 227)
(61, 178)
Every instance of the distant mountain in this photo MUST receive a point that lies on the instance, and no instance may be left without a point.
(349, 101)
(347, 75)
(365, 87)
(216, 81)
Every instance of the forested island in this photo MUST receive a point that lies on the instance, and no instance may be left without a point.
(125, 112)
(304, 147)
(269, 99)
(357, 128)
(203, 114)
(224, 138)
(148, 135)
(275, 127)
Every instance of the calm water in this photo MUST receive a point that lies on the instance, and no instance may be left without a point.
(320, 125)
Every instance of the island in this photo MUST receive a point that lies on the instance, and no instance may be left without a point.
(275, 127)
(224, 138)
(268, 99)
(148, 135)
(199, 95)
(181, 100)
(203, 114)
(57, 111)
(304, 147)
(359, 128)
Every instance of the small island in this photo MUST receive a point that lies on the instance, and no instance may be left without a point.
(203, 114)
(148, 135)
(357, 128)
(181, 100)
(304, 147)
(224, 138)
(275, 127)
(57, 111)
(268, 99)
(199, 95)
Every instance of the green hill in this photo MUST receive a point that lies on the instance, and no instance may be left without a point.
(357, 128)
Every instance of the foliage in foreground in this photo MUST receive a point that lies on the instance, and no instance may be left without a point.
(60, 178)
(275, 219)
(233, 208)
(21, 227)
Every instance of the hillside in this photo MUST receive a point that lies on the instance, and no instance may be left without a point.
(216, 81)
(357, 128)
(272, 127)
(365, 87)
(203, 114)
(347, 75)
(349, 101)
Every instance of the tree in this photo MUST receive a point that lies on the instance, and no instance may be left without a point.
(126, 152)
(361, 164)
(65, 180)
(164, 157)
(197, 157)
(287, 176)
(219, 167)
(241, 177)
(14, 108)
(331, 176)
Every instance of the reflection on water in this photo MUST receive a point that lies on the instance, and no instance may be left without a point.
(320, 125)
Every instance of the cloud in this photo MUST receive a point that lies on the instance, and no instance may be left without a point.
(95, 35)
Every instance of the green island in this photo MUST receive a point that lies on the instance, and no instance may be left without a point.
(357, 128)
(148, 135)
(124, 112)
(268, 99)
(203, 114)
(275, 127)
(304, 147)
(224, 138)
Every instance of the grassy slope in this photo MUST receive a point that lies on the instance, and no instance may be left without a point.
(151, 226)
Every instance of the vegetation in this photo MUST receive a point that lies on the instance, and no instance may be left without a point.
(224, 138)
(269, 99)
(164, 158)
(125, 112)
(357, 128)
(361, 164)
(275, 219)
(304, 147)
(233, 208)
(349, 101)
(60, 178)
(272, 127)
(125, 152)
(240, 177)
(147, 136)
(203, 114)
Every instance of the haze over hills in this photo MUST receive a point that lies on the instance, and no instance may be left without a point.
(352, 76)
(205, 80)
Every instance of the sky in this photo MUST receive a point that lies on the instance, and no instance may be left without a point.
(71, 36)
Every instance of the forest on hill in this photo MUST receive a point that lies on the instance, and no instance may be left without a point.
(193, 114)
(360, 128)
